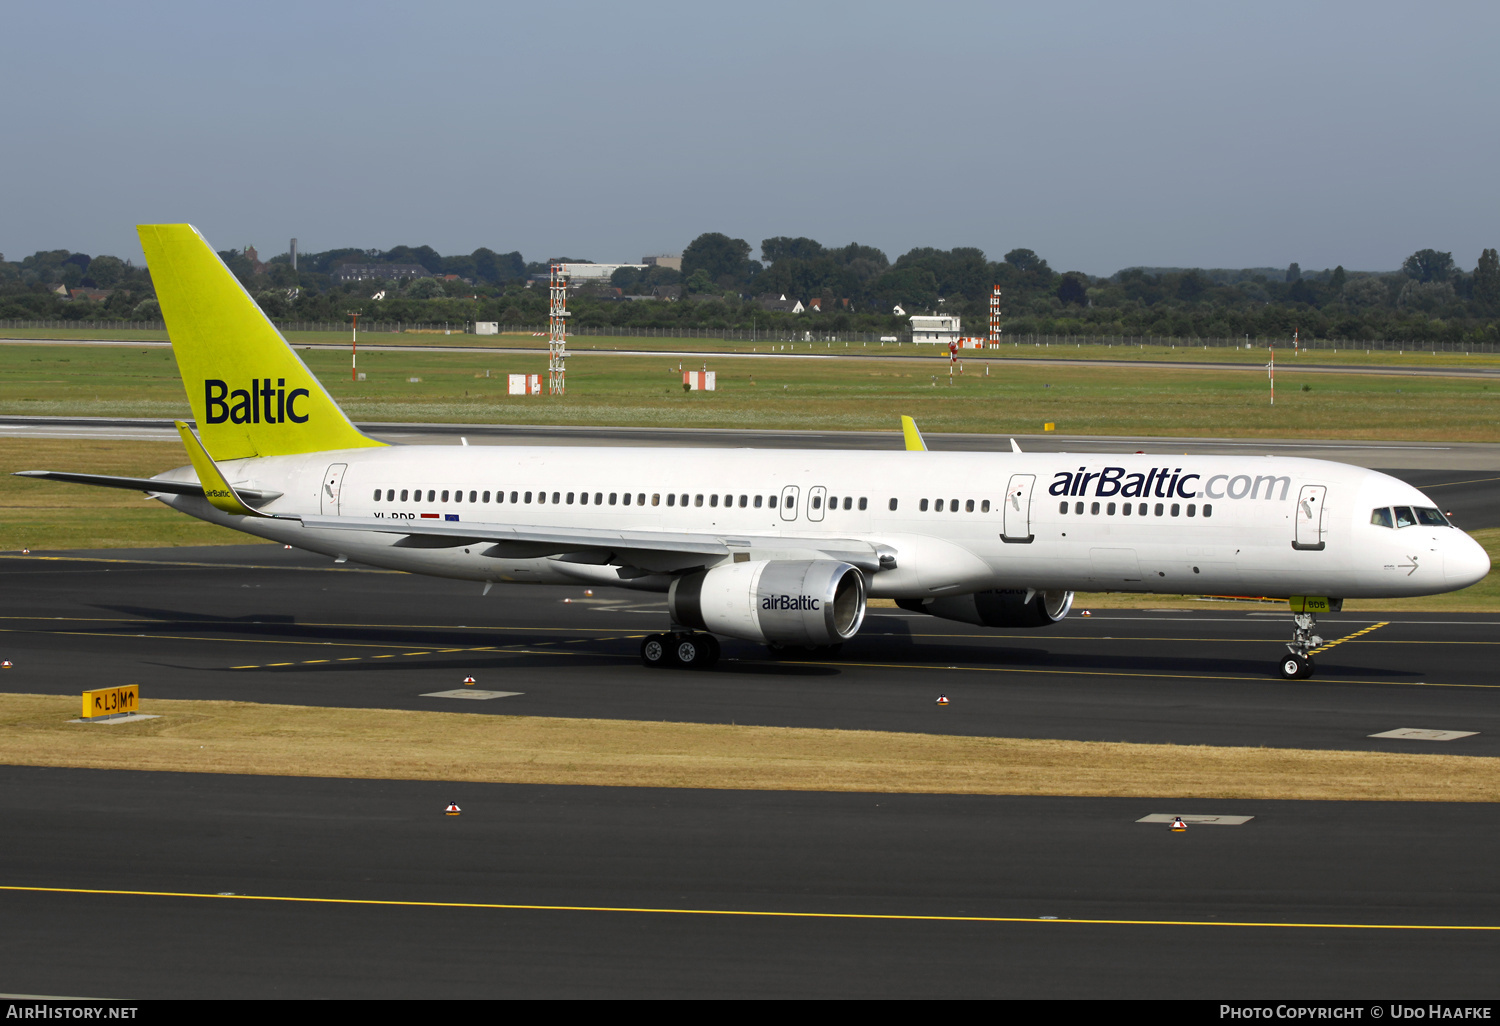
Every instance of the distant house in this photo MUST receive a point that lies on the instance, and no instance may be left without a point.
(779, 303)
(59, 290)
(674, 262)
(670, 293)
(92, 295)
(938, 329)
(346, 273)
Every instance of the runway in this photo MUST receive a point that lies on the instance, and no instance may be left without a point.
(597, 892)
(297, 629)
(539, 891)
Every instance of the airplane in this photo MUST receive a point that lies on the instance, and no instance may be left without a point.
(777, 547)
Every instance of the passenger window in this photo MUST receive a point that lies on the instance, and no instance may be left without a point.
(953, 505)
(403, 495)
(789, 503)
(1078, 508)
(1404, 517)
(818, 502)
(1110, 509)
(893, 505)
(431, 495)
(771, 501)
(1062, 507)
(864, 503)
(938, 505)
(445, 495)
(757, 502)
(1125, 508)
(697, 500)
(513, 496)
(1429, 517)
(554, 496)
(1208, 509)
(848, 501)
(570, 498)
(671, 498)
(528, 496)
(1192, 509)
(640, 500)
(923, 505)
(598, 498)
(713, 500)
(377, 495)
(743, 500)
(656, 499)
(486, 497)
(1143, 509)
(541, 496)
(613, 497)
(1176, 509)
(1160, 507)
(1094, 509)
(984, 507)
(969, 506)
(583, 498)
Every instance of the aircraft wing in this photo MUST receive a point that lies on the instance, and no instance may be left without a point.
(597, 545)
(140, 484)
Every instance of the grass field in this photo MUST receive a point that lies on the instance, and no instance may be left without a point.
(863, 395)
(240, 737)
(1286, 358)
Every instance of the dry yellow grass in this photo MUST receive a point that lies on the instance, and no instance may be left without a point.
(282, 740)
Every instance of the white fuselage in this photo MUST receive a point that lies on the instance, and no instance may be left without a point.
(957, 522)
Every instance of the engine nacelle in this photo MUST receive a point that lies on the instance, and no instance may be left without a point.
(1009, 608)
(779, 602)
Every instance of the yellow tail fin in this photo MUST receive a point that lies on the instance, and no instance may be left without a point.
(250, 393)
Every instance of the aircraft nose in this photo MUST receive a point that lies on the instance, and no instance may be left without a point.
(1465, 562)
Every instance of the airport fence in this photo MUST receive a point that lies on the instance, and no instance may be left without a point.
(864, 338)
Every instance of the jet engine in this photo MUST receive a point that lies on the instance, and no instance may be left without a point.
(779, 602)
(1007, 608)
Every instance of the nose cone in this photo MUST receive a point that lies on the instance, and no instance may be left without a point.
(1464, 561)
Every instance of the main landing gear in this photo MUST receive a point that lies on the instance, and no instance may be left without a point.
(690, 650)
(1298, 665)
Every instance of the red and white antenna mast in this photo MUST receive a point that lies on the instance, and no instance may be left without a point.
(557, 342)
(994, 339)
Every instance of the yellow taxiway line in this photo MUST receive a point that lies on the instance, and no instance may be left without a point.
(756, 913)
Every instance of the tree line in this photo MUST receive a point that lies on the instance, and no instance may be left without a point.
(855, 287)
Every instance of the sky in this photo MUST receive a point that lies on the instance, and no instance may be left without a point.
(1101, 135)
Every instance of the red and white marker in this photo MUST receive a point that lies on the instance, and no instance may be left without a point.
(942, 700)
(1178, 826)
(6, 664)
(470, 680)
(452, 809)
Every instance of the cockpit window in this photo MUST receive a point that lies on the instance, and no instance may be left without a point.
(1405, 517)
(1382, 518)
(1429, 517)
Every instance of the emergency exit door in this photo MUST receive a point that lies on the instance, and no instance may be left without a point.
(1018, 509)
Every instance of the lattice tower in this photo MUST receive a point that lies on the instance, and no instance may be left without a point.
(557, 342)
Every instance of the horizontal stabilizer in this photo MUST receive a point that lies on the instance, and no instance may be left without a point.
(140, 484)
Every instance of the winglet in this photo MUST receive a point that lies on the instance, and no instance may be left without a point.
(215, 487)
(1013, 446)
(914, 442)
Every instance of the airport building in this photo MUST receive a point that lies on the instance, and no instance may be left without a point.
(937, 329)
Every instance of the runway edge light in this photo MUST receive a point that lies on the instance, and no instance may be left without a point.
(470, 680)
(1178, 826)
(942, 700)
(452, 809)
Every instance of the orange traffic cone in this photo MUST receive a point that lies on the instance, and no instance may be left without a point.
(470, 680)
(942, 700)
(452, 809)
(1178, 826)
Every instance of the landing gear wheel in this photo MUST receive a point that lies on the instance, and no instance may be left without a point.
(655, 652)
(695, 651)
(1295, 667)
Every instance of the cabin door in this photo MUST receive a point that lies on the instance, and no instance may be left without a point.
(1018, 509)
(816, 497)
(1310, 518)
(333, 483)
(789, 502)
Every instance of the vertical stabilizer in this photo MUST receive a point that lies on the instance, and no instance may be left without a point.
(250, 393)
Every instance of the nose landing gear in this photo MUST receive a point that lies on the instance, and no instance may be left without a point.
(1298, 665)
